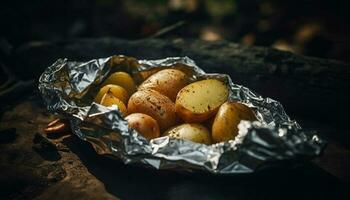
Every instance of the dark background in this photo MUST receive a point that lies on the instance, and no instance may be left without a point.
(310, 27)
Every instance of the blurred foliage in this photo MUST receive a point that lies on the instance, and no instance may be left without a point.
(312, 27)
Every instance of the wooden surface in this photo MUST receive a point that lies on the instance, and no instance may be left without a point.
(64, 167)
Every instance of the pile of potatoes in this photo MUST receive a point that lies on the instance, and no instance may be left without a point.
(167, 103)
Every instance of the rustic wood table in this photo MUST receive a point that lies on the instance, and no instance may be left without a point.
(64, 167)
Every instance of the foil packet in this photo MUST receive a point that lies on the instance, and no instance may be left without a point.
(69, 87)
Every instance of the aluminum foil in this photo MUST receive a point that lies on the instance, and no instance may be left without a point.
(68, 88)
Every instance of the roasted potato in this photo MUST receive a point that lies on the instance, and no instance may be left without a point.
(143, 75)
(109, 100)
(168, 82)
(193, 132)
(116, 90)
(154, 104)
(200, 100)
(144, 124)
(225, 126)
(122, 79)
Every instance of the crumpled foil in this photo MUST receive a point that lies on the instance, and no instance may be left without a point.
(69, 87)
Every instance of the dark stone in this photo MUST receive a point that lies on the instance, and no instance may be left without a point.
(45, 148)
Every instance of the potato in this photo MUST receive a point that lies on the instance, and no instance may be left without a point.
(144, 124)
(225, 126)
(168, 82)
(143, 75)
(154, 104)
(117, 91)
(109, 100)
(200, 100)
(122, 79)
(193, 132)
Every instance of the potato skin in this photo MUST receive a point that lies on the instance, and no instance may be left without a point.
(154, 104)
(143, 75)
(193, 132)
(117, 91)
(168, 82)
(144, 124)
(199, 101)
(225, 126)
(122, 79)
(190, 117)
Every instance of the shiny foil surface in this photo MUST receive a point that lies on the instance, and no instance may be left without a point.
(68, 89)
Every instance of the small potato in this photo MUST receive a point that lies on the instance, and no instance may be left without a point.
(200, 100)
(168, 82)
(109, 100)
(122, 79)
(144, 124)
(193, 132)
(116, 90)
(225, 126)
(154, 104)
